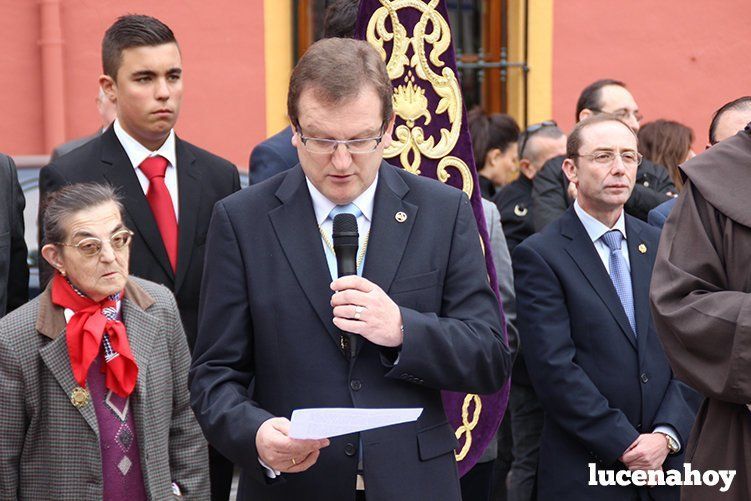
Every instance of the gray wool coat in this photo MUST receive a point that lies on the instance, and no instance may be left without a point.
(49, 449)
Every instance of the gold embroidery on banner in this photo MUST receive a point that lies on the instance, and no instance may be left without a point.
(468, 426)
(430, 41)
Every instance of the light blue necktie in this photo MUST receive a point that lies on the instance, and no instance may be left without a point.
(330, 256)
(620, 275)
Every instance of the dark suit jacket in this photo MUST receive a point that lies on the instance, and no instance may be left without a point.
(14, 273)
(550, 199)
(267, 344)
(72, 145)
(599, 385)
(659, 214)
(272, 156)
(202, 179)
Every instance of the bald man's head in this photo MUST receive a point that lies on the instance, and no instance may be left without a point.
(729, 119)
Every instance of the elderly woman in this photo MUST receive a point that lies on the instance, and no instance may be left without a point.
(93, 372)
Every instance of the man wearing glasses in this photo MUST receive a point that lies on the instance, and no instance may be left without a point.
(552, 193)
(609, 396)
(420, 314)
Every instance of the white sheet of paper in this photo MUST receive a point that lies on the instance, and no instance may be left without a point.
(332, 422)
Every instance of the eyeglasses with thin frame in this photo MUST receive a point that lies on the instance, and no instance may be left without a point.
(607, 157)
(328, 146)
(531, 130)
(92, 246)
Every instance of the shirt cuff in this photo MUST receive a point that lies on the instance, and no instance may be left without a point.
(670, 431)
(270, 472)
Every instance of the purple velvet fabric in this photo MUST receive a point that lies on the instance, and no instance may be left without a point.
(122, 476)
(493, 406)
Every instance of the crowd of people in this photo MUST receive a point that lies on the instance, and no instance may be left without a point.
(183, 320)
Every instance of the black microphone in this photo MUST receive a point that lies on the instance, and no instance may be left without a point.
(346, 242)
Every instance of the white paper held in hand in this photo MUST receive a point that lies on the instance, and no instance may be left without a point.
(332, 422)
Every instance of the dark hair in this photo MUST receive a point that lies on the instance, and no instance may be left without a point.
(574, 141)
(490, 132)
(340, 19)
(590, 96)
(666, 143)
(73, 198)
(337, 70)
(737, 104)
(129, 31)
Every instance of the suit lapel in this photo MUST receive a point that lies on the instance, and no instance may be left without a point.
(55, 357)
(118, 170)
(296, 229)
(388, 237)
(189, 194)
(641, 256)
(582, 251)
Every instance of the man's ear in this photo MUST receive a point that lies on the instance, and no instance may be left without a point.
(569, 168)
(388, 134)
(585, 113)
(295, 136)
(109, 87)
(526, 168)
(51, 253)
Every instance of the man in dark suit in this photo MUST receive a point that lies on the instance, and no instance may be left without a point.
(277, 154)
(107, 112)
(168, 185)
(595, 360)
(552, 193)
(14, 273)
(422, 316)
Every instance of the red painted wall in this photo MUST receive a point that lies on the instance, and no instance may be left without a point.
(681, 60)
(224, 107)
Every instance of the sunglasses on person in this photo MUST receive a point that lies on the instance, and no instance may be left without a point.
(531, 130)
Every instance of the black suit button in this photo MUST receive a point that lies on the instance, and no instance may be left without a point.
(355, 384)
(638, 426)
(350, 449)
(644, 377)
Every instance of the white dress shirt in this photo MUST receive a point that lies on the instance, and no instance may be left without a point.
(137, 153)
(596, 229)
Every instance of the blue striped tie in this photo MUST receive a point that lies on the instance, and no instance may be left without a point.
(620, 275)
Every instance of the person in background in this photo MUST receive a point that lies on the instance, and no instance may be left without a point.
(14, 273)
(277, 154)
(667, 143)
(107, 114)
(538, 144)
(494, 145)
(94, 371)
(727, 121)
(552, 193)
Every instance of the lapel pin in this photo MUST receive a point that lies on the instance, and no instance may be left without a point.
(520, 211)
(79, 396)
(400, 217)
(642, 248)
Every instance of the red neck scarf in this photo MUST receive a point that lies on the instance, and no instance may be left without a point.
(87, 330)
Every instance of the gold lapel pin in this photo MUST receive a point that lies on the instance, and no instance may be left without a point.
(400, 217)
(642, 248)
(79, 396)
(520, 211)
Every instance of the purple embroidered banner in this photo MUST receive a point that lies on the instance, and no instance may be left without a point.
(431, 139)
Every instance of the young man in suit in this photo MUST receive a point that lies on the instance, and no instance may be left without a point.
(420, 312)
(168, 185)
(594, 358)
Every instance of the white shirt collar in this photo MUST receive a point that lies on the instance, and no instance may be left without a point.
(322, 205)
(137, 152)
(594, 228)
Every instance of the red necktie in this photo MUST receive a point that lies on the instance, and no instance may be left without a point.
(161, 204)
